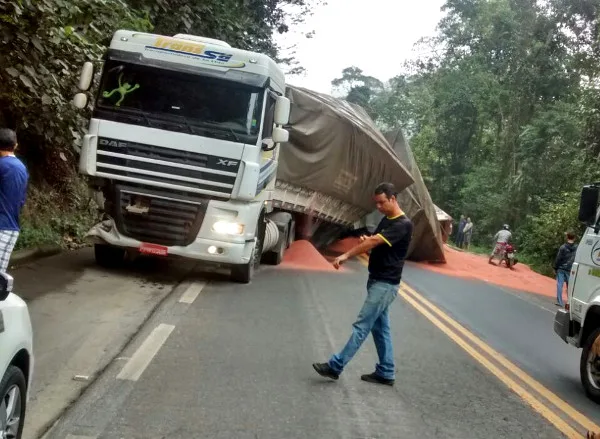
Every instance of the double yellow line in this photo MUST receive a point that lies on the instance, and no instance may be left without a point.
(565, 418)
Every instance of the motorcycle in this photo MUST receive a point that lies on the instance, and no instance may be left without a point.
(508, 256)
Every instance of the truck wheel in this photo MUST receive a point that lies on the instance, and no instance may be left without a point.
(108, 256)
(589, 367)
(274, 257)
(291, 234)
(243, 273)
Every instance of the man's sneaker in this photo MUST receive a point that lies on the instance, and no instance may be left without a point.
(324, 370)
(376, 379)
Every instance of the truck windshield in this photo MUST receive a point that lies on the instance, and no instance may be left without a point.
(177, 101)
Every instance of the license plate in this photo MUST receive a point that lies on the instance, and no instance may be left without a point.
(511, 255)
(154, 249)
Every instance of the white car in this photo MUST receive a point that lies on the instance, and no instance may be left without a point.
(16, 360)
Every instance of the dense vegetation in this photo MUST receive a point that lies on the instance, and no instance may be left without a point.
(502, 110)
(44, 45)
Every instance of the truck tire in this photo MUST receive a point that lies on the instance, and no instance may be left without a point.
(589, 368)
(275, 256)
(108, 256)
(291, 234)
(244, 273)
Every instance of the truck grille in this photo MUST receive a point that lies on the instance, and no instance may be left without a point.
(166, 167)
(167, 222)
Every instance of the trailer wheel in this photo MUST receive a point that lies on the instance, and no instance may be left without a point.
(589, 367)
(108, 256)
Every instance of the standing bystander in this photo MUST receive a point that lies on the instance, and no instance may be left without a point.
(562, 266)
(460, 236)
(13, 190)
(389, 245)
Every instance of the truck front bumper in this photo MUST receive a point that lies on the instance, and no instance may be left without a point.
(229, 253)
(562, 324)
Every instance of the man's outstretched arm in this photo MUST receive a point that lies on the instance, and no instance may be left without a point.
(367, 244)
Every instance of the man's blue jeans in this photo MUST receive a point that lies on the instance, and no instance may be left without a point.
(374, 318)
(562, 276)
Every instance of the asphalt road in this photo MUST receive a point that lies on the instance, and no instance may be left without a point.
(82, 318)
(221, 360)
(517, 324)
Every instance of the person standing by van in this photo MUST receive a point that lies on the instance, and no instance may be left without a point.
(562, 266)
(13, 189)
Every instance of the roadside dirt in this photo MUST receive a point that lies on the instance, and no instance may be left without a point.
(468, 265)
(471, 266)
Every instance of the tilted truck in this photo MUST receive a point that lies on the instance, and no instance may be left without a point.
(579, 323)
(183, 150)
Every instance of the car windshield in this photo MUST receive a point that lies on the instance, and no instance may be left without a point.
(180, 101)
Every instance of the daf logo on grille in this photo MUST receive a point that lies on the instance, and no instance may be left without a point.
(113, 143)
(225, 162)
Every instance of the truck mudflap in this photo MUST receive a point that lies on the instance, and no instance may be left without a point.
(562, 324)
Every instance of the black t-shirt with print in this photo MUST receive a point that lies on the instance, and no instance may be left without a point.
(387, 259)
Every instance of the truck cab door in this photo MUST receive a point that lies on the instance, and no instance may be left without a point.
(584, 282)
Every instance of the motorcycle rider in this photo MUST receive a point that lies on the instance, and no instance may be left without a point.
(501, 238)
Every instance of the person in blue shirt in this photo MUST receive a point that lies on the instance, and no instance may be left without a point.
(13, 190)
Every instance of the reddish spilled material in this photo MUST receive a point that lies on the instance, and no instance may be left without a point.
(470, 266)
(302, 255)
(343, 246)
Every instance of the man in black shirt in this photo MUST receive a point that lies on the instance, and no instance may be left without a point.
(389, 245)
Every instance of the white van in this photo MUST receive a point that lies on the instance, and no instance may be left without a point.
(579, 323)
(16, 359)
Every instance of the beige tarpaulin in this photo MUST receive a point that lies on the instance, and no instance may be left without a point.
(445, 221)
(336, 149)
(427, 243)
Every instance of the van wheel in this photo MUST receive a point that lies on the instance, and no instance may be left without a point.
(108, 256)
(589, 367)
(13, 404)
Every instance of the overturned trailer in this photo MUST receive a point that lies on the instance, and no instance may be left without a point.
(428, 238)
(427, 243)
(333, 160)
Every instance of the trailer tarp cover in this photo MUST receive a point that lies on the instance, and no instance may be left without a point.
(335, 149)
(427, 243)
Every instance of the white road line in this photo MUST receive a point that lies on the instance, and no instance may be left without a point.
(192, 292)
(74, 436)
(136, 365)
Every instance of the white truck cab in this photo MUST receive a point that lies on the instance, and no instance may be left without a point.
(182, 151)
(16, 360)
(579, 323)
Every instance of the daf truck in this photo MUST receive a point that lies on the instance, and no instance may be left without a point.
(181, 151)
(202, 151)
(579, 323)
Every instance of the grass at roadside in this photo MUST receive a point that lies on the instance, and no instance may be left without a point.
(51, 218)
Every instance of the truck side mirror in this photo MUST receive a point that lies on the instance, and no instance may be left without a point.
(6, 285)
(282, 110)
(86, 76)
(588, 205)
(80, 100)
(280, 135)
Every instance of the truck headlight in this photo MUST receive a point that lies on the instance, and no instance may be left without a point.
(228, 228)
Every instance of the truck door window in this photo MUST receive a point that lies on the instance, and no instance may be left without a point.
(269, 117)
